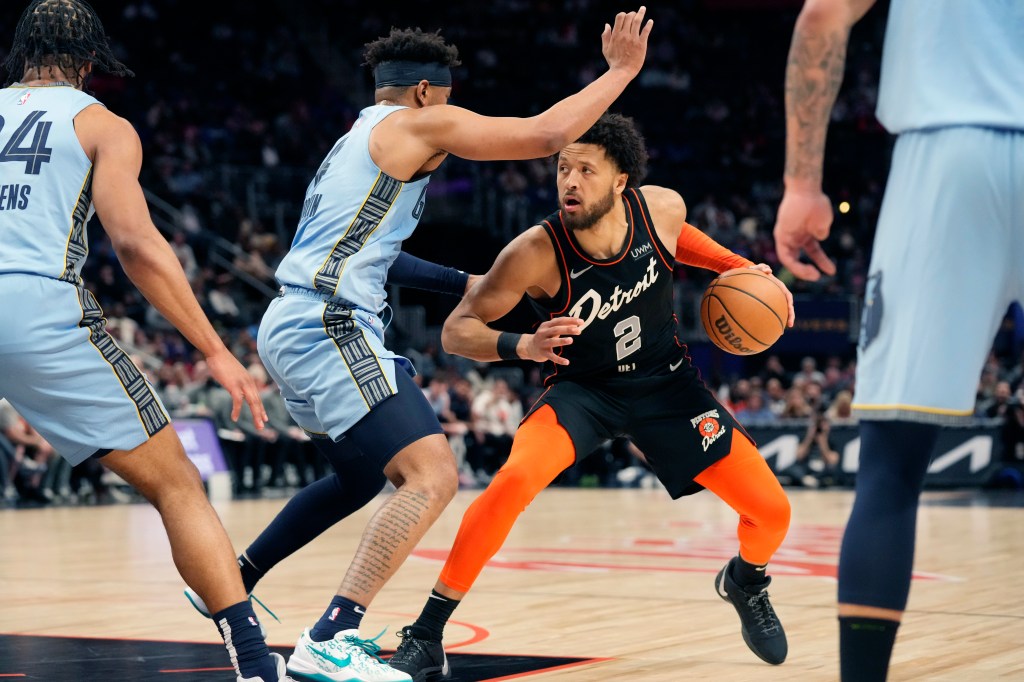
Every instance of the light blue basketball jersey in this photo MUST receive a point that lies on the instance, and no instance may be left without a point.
(45, 182)
(953, 62)
(354, 220)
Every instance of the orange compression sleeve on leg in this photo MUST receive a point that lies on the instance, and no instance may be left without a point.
(541, 450)
(701, 251)
(744, 481)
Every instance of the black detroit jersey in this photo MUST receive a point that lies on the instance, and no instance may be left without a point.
(625, 302)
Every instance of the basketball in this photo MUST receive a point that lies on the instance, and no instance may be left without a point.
(744, 311)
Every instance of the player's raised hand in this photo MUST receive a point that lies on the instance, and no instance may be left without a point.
(804, 220)
(767, 269)
(551, 335)
(625, 44)
(229, 373)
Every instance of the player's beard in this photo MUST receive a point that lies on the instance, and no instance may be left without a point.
(587, 218)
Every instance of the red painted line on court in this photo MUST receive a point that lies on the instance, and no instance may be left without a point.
(12, 674)
(479, 633)
(199, 670)
(547, 670)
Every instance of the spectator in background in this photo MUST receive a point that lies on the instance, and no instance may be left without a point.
(31, 455)
(817, 462)
(841, 409)
(775, 396)
(796, 405)
(809, 372)
(998, 406)
(186, 256)
(755, 411)
(496, 413)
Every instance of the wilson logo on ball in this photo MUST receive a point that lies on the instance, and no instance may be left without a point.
(729, 336)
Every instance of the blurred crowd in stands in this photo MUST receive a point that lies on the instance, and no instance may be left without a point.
(236, 109)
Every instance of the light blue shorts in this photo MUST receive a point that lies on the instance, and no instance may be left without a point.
(329, 360)
(948, 260)
(64, 374)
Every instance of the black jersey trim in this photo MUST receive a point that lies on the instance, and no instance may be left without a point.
(655, 239)
(563, 272)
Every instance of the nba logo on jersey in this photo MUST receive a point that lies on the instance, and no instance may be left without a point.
(24, 98)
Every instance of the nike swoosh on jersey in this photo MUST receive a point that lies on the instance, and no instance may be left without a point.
(673, 366)
(573, 274)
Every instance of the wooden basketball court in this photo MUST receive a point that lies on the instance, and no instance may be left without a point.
(623, 577)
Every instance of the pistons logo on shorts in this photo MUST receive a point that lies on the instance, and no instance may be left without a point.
(709, 428)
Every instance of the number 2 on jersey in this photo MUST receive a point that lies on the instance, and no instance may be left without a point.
(33, 155)
(627, 333)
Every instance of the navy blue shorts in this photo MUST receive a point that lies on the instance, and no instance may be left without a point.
(391, 425)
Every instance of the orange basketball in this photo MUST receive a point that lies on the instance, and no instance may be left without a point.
(744, 311)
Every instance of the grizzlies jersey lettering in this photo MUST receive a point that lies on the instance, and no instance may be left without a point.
(953, 62)
(625, 303)
(45, 182)
(354, 220)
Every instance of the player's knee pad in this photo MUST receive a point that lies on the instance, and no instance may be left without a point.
(515, 485)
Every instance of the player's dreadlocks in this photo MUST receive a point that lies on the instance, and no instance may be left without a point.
(64, 34)
(623, 144)
(413, 45)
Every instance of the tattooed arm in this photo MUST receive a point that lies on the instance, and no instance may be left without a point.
(814, 72)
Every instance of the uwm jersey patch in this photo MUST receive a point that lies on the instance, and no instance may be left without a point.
(625, 302)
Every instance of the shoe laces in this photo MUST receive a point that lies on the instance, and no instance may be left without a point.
(767, 621)
(410, 646)
(365, 648)
(272, 614)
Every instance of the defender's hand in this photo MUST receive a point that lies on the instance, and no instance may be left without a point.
(766, 269)
(229, 373)
(549, 337)
(804, 219)
(625, 45)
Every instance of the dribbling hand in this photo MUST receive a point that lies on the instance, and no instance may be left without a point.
(624, 45)
(804, 220)
(549, 337)
(229, 373)
(766, 269)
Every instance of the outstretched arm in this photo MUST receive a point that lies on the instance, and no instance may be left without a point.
(410, 271)
(814, 72)
(483, 138)
(526, 264)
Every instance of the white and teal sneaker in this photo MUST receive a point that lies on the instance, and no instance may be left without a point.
(346, 658)
(199, 605)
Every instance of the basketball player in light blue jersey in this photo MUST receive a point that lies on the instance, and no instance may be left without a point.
(945, 266)
(322, 338)
(63, 157)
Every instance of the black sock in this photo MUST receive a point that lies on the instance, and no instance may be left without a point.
(342, 614)
(746, 573)
(250, 574)
(433, 618)
(865, 645)
(244, 641)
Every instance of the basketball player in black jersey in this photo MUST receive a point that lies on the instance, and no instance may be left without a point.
(599, 272)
